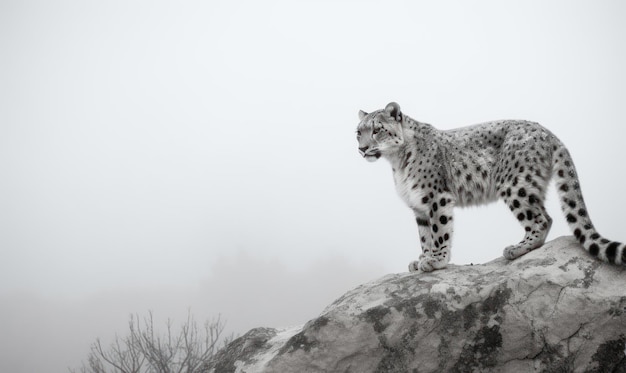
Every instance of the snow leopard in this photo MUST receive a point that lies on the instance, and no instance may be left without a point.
(511, 160)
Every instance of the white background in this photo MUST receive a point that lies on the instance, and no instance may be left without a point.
(169, 156)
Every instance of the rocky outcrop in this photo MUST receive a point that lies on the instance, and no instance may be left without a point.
(556, 309)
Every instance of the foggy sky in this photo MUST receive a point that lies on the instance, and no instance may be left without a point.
(173, 155)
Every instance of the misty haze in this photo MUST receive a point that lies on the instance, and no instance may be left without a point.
(200, 157)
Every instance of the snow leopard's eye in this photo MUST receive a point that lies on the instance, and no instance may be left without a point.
(376, 131)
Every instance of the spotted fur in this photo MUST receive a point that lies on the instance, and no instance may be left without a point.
(511, 160)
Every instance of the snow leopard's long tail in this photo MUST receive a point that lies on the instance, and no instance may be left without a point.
(573, 206)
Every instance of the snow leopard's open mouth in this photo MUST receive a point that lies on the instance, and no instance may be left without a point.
(371, 156)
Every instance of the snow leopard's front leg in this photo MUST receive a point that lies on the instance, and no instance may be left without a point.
(426, 239)
(435, 230)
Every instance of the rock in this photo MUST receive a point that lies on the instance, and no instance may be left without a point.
(556, 309)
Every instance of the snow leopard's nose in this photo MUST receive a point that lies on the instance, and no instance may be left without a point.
(363, 149)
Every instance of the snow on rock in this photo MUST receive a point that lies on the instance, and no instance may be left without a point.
(556, 309)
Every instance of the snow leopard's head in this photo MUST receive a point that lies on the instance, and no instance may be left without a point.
(380, 133)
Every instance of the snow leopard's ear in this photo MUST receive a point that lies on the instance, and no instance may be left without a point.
(393, 109)
(362, 114)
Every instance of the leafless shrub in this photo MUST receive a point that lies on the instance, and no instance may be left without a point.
(145, 350)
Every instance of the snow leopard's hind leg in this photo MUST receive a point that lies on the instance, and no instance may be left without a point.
(524, 177)
(532, 215)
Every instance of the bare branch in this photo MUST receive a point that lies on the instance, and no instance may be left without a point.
(186, 349)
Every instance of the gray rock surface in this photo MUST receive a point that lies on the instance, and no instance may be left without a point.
(556, 309)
